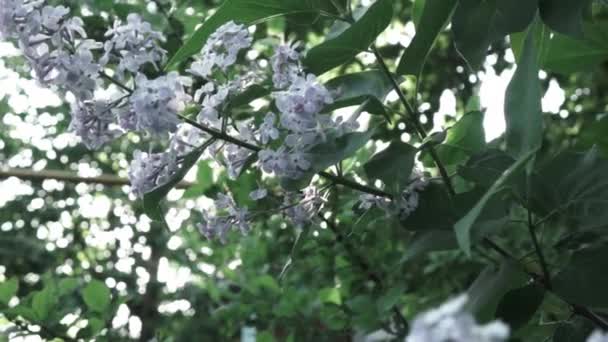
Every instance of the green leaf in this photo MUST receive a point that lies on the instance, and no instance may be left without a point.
(330, 295)
(354, 40)
(478, 23)
(523, 111)
(464, 225)
(564, 16)
(518, 306)
(96, 296)
(372, 86)
(247, 12)
(8, 289)
(584, 280)
(204, 181)
(417, 10)
(393, 166)
(573, 185)
(429, 241)
(574, 330)
(435, 16)
(335, 150)
(464, 139)
(43, 302)
(152, 199)
(490, 286)
(567, 55)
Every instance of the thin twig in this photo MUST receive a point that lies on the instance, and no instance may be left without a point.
(333, 178)
(539, 252)
(415, 120)
(66, 176)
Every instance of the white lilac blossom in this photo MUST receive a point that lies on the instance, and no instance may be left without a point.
(224, 216)
(283, 163)
(285, 65)
(132, 45)
(148, 171)
(92, 122)
(221, 49)
(258, 194)
(598, 336)
(302, 208)
(268, 130)
(404, 204)
(157, 102)
(304, 98)
(76, 72)
(452, 323)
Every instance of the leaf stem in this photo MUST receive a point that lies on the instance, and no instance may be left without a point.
(539, 252)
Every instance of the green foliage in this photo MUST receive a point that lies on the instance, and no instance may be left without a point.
(392, 166)
(523, 112)
(525, 240)
(477, 24)
(435, 14)
(355, 39)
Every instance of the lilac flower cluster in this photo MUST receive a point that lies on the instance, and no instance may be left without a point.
(61, 55)
(404, 204)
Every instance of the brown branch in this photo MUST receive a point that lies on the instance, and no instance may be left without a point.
(71, 177)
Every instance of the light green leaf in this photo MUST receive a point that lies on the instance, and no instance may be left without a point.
(354, 40)
(523, 111)
(476, 24)
(464, 225)
(8, 289)
(393, 166)
(330, 295)
(564, 16)
(435, 16)
(417, 10)
(247, 12)
(204, 181)
(567, 55)
(465, 138)
(96, 296)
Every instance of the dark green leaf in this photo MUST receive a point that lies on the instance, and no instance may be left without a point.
(430, 241)
(353, 89)
(464, 225)
(490, 286)
(43, 302)
(518, 306)
(584, 280)
(8, 289)
(354, 40)
(568, 55)
(564, 16)
(435, 16)
(523, 112)
(393, 166)
(478, 23)
(335, 150)
(96, 296)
